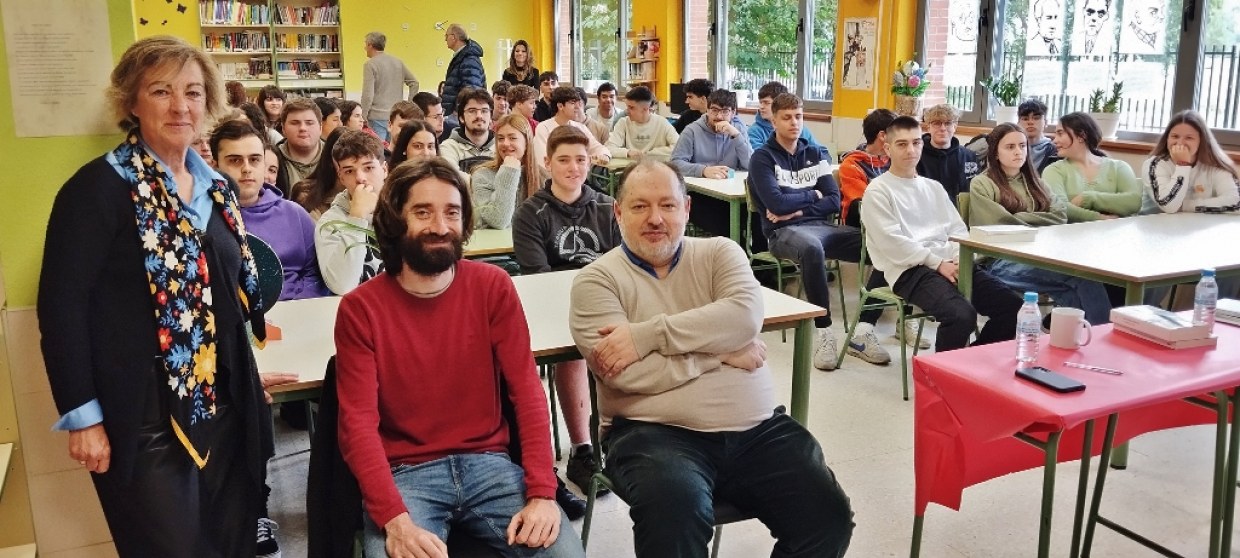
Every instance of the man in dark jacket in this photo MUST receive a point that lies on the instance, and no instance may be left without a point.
(943, 158)
(465, 69)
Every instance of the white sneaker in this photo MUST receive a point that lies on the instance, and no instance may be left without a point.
(910, 333)
(864, 345)
(825, 353)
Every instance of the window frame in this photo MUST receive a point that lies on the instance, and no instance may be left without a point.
(623, 16)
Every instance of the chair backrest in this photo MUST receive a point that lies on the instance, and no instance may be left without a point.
(962, 203)
(750, 209)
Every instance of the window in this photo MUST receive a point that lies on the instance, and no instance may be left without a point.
(763, 44)
(697, 39)
(599, 58)
(1065, 50)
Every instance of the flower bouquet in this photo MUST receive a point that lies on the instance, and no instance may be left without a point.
(909, 83)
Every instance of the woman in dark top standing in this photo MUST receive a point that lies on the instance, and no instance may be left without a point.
(145, 296)
(521, 70)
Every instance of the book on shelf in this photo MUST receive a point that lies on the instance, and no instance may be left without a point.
(1003, 233)
(1158, 323)
(1208, 341)
(232, 12)
(321, 15)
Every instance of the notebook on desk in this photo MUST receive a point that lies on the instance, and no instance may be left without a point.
(1227, 311)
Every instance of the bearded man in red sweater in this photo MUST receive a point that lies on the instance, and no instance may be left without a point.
(425, 351)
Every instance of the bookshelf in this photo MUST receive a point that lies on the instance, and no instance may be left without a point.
(293, 44)
(642, 57)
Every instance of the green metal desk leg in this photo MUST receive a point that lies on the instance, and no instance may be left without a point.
(964, 280)
(1082, 488)
(1096, 502)
(734, 219)
(1229, 502)
(1048, 494)
(1134, 293)
(801, 348)
(918, 523)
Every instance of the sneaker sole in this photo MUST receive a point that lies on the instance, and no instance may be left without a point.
(857, 353)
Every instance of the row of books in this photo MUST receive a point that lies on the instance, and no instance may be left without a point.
(243, 41)
(307, 42)
(323, 15)
(304, 67)
(256, 68)
(232, 12)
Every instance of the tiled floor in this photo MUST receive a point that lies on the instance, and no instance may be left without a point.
(866, 431)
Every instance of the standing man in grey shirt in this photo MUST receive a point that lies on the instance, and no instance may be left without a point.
(383, 79)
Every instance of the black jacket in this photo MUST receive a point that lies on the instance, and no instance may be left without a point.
(953, 167)
(550, 235)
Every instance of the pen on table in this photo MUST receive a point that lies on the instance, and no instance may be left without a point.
(1092, 368)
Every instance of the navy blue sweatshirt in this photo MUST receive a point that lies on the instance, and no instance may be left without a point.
(953, 167)
(785, 183)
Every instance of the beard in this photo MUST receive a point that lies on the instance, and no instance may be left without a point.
(431, 261)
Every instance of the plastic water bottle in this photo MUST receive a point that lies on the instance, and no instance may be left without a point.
(1028, 330)
(1205, 299)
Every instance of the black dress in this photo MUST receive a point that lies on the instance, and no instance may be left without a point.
(531, 78)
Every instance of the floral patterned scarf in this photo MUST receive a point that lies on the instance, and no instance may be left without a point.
(176, 267)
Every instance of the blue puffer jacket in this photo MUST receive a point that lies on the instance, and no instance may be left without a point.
(465, 70)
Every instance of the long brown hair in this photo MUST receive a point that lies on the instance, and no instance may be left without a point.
(390, 222)
(316, 191)
(1208, 153)
(994, 170)
(521, 73)
(531, 173)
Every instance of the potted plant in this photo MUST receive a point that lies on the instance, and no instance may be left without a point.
(1005, 91)
(1105, 110)
(740, 87)
(909, 83)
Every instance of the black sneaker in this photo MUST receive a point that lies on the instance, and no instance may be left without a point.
(581, 467)
(267, 546)
(574, 507)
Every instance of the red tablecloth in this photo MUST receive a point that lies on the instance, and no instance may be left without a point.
(969, 403)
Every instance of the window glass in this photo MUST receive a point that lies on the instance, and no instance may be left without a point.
(822, 57)
(762, 46)
(1218, 96)
(599, 53)
(952, 39)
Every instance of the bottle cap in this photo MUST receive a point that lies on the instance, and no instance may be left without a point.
(1031, 297)
(1207, 272)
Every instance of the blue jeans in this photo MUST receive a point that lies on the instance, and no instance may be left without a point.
(811, 244)
(380, 127)
(670, 477)
(476, 493)
(1067, 290)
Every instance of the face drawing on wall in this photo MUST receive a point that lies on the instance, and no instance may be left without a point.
(1096, 13)
(964, 22)
(1147, 21)
(1047, 20)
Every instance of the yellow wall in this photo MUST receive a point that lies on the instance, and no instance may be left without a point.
(162, 18)
(422, 48)
(897, 28)
(667, 18)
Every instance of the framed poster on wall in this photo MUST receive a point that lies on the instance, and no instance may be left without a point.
(860, 37)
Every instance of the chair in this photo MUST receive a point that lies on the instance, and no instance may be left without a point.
(883, 297)
(962, 204)
(766, 260)
(725, 512)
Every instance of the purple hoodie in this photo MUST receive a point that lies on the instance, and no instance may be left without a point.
(289, 230)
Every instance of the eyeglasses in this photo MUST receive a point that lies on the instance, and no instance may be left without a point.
(477, 111)
(941, 123)
(719, 111)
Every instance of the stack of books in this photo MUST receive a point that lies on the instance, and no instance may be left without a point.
(1162, 327)
(1227, 311)
(1003, 233)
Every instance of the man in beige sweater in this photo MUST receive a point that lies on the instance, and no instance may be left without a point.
(669, 326)
(384, 78)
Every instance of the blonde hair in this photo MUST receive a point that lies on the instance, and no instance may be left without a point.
(531, 173)
(153, 55)
(941, 112)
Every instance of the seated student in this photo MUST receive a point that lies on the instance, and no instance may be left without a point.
(943, 159)
(567, 225)
(340, 238)
(1095, 186)
(688, 407)
(241, 154)
(567, 106)
(522, 99)
(442, 465)
(502, 184)
(696, 93)
(761, 130)
(1188, 172)
(1010, 193)
(641, 133)
(499, 94)
(1042, 152)
(793, 188)
(301, 125)
(402, 112)
(599, 130)
(316, 192)
(716, 143)
(473, 142)
(606, 113)
(432, 107)
(860, 166)
(415, 142)
(908, 221)
(545, 108)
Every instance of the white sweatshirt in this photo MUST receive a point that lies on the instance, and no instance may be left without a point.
(656, 137)
(907, 224)
(1175, 188)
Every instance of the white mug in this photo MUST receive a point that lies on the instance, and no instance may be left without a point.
(1067, 325)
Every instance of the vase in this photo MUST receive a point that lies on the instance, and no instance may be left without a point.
(1005, 114)
(908, 106)
(1108, 122)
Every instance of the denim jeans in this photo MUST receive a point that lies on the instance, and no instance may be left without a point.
(475, 493)
(1067, 290)
(670, 477)
(811, 244)
(380, 127)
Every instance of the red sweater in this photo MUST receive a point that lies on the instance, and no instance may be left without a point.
(419, 379)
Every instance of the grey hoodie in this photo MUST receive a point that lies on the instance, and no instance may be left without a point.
(700, 147)
(345, 259)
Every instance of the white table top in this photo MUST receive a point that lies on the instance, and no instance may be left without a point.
(1140, 249)
(489, 242)
(720, 187)
(308, 326)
